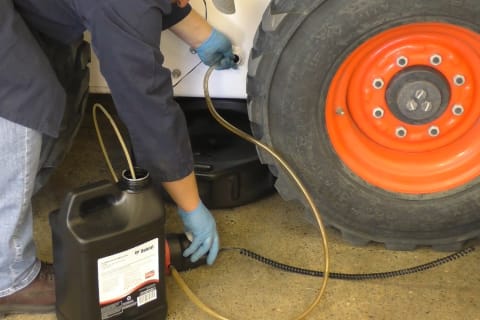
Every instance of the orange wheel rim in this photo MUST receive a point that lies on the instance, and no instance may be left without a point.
(402, 110)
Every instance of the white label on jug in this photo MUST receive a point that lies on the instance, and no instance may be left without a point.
(123, 273)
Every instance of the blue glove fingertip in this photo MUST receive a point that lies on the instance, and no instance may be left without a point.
(202, 250)
(226, 63)
(212, 254)
(192, 247)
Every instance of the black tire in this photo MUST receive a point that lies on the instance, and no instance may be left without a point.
(297, 50)
(70, 63)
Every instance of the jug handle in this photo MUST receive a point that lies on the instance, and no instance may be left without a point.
(95, 190)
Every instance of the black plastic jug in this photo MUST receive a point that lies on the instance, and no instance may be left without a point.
(109, 251)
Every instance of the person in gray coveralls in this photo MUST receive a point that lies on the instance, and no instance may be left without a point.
(126, 38)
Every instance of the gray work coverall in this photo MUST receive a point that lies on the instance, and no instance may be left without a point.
(126, 38)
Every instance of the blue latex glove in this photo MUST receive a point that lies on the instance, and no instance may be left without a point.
(217, 49)
(201, 224)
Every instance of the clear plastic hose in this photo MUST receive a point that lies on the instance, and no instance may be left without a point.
(297, 181)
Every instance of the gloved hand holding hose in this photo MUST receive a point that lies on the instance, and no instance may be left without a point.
(217, 49)
(201, 224)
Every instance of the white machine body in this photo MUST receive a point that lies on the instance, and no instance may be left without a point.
(240, 27)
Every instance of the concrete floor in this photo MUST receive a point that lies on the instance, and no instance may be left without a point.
(240, 288)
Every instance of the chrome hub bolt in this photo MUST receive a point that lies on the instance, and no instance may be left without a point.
(378, 83)
(436, 60)
(434, 131)
(459, 80)
(378, 113)
(412, 105)
(402, 61)
(401, 132)
(427, 106)
(458, 109)
(421, 94)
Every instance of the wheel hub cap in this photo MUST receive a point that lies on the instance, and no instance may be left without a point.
(418, 95)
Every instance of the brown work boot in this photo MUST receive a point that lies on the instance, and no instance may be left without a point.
(37, 297)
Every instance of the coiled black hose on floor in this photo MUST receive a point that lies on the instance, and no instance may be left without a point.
(357, 276)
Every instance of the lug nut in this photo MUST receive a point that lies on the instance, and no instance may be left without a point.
(459, 80)
(458, 110)
(402, 61)
(378, 83)
(436, 60)
(401, 132)
(339, 111)
(433, 131)
(378, 113)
